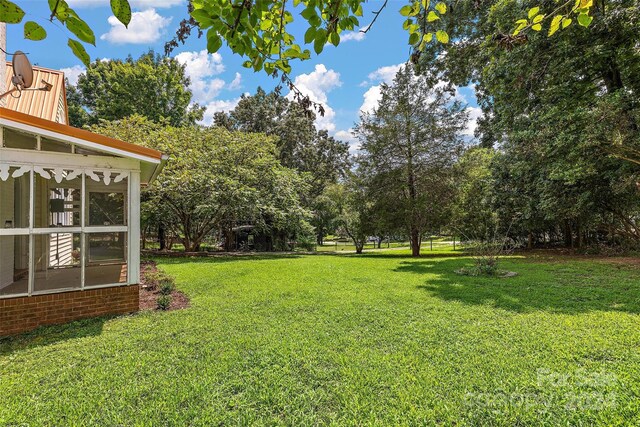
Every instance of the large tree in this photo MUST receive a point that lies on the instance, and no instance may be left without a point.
(216, 179)
(564, 113)
(409, 145)
(317, 154)
(300, 145)
(151, 86)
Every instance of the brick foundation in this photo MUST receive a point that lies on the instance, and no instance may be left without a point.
(26, 313)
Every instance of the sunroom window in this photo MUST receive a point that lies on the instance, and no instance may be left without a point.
(62, 229)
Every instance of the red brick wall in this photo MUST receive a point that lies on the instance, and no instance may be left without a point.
(26, 313)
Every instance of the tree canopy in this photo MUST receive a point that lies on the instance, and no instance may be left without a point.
(216, 179)
(409, 145)
(152, 86)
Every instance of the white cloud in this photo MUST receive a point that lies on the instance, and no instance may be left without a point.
(236, 83)
(384, 74)
(200, 67)
(371, 98)
(348, 137)
(145, 27)
(316, 85)
(218, 106)
(72, 73)
(474, 114)
(357, 35)
(201, 64)
(136, 4)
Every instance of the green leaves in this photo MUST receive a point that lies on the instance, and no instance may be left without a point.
(584, 19)
(79, 51)
(121, 10)
(405, 10)
(417, 25)
(432, 16)
(10, 12)
(310, 35)
(442, 36)
(555, 24)
(214, 42)
(536, 22)
(334, 38)
(80, 29)
(33, 31)
(320, 41)
(520, 25)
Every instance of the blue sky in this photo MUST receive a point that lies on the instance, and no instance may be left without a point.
(345, 79)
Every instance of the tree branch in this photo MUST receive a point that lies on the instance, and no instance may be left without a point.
(376, 14)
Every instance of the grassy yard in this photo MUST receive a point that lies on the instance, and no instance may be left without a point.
(379, 339)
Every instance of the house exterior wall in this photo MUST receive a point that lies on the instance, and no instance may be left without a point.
(23, 314)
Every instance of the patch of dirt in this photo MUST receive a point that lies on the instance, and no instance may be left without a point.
(501, 274)
(149, 300)
(149, 292)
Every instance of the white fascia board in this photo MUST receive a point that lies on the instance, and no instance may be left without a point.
(73, 140)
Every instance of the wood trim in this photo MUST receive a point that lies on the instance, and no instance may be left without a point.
(109, 143)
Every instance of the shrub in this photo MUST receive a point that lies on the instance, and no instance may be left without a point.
(166, 285)
(164, 301)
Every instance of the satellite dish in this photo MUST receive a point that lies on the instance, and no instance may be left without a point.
(22, 71)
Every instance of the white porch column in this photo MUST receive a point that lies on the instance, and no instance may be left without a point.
(134, 227)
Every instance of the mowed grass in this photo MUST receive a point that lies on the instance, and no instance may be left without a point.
(379, 339)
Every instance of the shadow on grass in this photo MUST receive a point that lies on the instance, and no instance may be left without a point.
(393, 255)
(567, 288)
(249, 256)
(46, 335)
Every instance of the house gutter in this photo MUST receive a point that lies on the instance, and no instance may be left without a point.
(158, 168)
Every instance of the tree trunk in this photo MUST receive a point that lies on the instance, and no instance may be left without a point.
(228, 240)
(415, 242)
(162, 236)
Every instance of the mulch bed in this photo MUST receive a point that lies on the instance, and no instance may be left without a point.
(149, 295)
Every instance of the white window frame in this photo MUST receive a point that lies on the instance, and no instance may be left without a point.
(49, 160)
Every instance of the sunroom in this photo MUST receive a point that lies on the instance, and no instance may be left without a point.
(69, 207)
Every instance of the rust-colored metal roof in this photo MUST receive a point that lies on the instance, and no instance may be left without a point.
(85, 135)
(37, 103)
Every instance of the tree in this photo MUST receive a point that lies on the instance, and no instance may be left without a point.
(409, 144)
(151, 86)
(300, 146)
(473, 215)
(78, 115)
(272, 114)
(563, 113)
(215, 179)
(353, 210)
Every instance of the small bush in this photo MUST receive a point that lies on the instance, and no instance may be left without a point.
(164, 301)
(166, 285)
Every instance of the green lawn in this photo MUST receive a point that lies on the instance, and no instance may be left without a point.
(380, 339)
